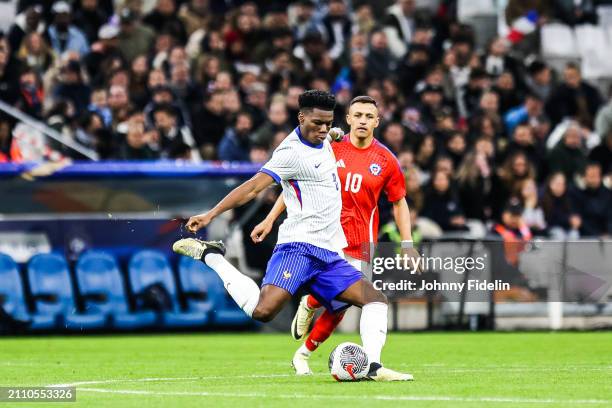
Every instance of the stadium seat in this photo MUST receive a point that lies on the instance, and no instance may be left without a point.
(12, 297)
(53, 296)
(100, 285)
(150, 267)
(197, 277)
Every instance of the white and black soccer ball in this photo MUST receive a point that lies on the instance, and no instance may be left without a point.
(348, 362)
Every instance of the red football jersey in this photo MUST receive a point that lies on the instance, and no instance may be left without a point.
(364, 174)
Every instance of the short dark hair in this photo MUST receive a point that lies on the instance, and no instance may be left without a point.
(165, 108)
(363, 99)
(314, 98)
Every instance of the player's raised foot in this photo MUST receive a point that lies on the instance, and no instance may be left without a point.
(302, 319)
(196, 248)
(380, 373)
(300, 363)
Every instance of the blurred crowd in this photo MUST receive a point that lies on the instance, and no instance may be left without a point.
(491, 135)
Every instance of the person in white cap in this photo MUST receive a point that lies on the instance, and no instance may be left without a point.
(64, 36)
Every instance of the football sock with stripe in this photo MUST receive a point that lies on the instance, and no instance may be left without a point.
(323, 328)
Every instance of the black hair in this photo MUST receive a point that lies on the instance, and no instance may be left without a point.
(363, 99)
(166, 108)
(314, 98)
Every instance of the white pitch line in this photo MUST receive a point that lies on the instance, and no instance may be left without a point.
(127, 380)
(349, 397)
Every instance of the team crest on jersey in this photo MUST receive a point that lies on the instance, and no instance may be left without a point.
(375, 169)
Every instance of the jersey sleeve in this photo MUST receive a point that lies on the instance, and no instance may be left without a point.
(395, 187)
(282, 165)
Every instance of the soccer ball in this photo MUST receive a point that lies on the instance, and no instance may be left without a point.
(348, 362)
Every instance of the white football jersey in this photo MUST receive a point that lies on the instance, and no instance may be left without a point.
(311, 190)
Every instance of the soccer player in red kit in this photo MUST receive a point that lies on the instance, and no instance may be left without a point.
(366, 168)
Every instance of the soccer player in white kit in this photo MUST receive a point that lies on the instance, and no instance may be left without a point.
(306, 254)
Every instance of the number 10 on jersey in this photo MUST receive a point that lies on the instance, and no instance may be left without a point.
(353, 182)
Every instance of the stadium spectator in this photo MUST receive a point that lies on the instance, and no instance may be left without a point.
(338, 28)
(89, 130)
(277, 122)
(574, 99)
(7, 152)
(31, 94)
(442, 205)
(593, 204)
(72, 86)
(515, 234)
(523, 141)
(172, 138)
(134, 38)
(539, 79)
(399, 26)
(568, 155)
(603, 120)
(455, 147)
(426, 152)
(508, 94)
(119, 104)
(36, 53)
(163, 95)
(380, 62)
(135, 143)
(27, 22)
(474, 178)
(105, 56)
(533, 215)
(195, 15)
(9, 73)
(530, 112)
(187, 91)
(602, 153)
(64, 36)
(508, 180)
(209, 124)
(557, 206)
(394, 137)
(258, 154)
(236, 144)
(164, 18)
(497, 60)
(89, 17)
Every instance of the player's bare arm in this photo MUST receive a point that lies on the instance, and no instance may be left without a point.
(401, 215)
(236, 198)
(261, 230)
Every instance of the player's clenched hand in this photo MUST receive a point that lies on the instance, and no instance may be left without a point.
(261, 231)
(198, 221)
(336, 134)
(414, 262)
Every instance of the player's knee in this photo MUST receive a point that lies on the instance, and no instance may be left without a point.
(263, 314)
(379, 297)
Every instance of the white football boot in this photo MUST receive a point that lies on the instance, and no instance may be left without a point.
(300, 363)
(380, 373)
(302, 319)
(196, 249)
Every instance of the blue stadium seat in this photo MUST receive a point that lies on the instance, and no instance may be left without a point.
(100, 284)
(13, 300)
(197, 277)
(151, 267)
(52, 291)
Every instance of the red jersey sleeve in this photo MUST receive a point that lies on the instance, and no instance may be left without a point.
(395, 187)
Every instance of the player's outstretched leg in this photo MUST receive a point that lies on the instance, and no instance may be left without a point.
(260, 305)
(323, 328)
(372, 327)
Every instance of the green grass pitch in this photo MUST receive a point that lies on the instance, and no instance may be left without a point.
(252, 370)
